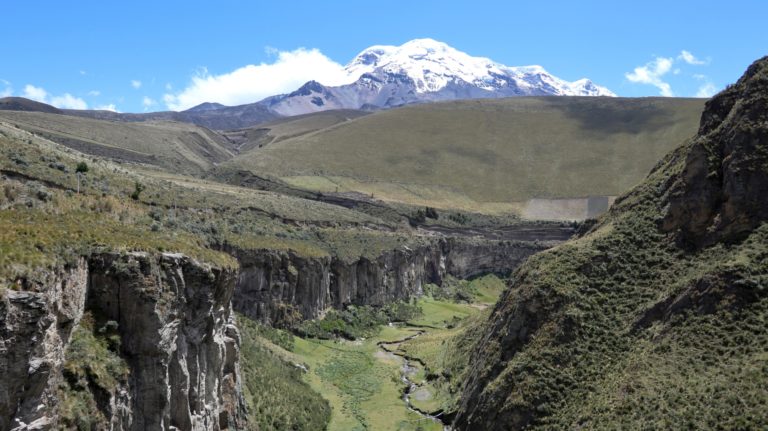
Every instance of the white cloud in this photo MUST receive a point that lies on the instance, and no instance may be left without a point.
(708, 89)
(8, 90)
(135, 84)
(68, 101)
(35, 93)
(651, 73)
(252, 83)
(689, 58)
(64, 101)
(147, 102)
(110, 107)
(94, 93)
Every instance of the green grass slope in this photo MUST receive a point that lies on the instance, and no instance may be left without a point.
(177, 147)
(655, 319)
(479, 153)
(276, 395)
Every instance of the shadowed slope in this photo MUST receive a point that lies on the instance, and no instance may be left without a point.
(656, 317)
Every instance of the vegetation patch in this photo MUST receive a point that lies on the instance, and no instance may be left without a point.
(276, 394)
(484, 289)
(93, 371)
(358, 321)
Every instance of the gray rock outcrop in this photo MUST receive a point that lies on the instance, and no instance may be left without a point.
(177, 333)
(274, 285)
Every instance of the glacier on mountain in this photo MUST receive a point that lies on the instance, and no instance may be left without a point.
(425, 70)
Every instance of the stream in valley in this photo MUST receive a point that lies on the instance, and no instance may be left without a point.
(409, 369)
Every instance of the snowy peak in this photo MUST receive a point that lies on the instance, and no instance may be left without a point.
(434, 65)
(425, 70)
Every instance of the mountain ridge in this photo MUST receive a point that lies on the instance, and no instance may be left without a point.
(425, 70)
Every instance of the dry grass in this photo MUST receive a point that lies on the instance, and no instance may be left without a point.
(178, 147)
(497, 151)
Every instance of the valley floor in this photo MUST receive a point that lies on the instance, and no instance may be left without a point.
(363, 379)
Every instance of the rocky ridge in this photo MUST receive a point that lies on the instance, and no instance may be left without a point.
(652, 318)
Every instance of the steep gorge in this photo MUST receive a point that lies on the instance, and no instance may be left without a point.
(277, 286)
(655, 318)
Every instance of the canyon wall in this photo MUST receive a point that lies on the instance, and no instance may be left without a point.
(275, 286)
(177, 335)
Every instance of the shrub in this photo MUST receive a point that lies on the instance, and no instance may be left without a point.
(459, 218)
(60, 166)
(358, 321)
(417, 218)
(138, 188)
(11, 191)
(156, 213)
(43, 194)
(81, 168)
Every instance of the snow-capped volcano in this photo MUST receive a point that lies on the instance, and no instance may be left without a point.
(433, 65)
(425, 70)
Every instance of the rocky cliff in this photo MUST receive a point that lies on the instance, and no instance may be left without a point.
(172, 320)
(35, 326)
(655, 318)
(276, 285)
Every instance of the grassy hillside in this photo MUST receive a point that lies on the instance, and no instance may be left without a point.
(654, 319)
(22, 104)
(487, 154)
(177, 147)
(290, 127)
(49, 221)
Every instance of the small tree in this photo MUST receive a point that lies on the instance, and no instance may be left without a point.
(81, 168)
(137, 191)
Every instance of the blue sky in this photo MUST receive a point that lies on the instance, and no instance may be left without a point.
(140, 55)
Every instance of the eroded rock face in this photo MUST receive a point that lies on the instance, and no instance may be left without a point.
(35, 326)
(177, 335)
(275, 285)
(721, 193)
